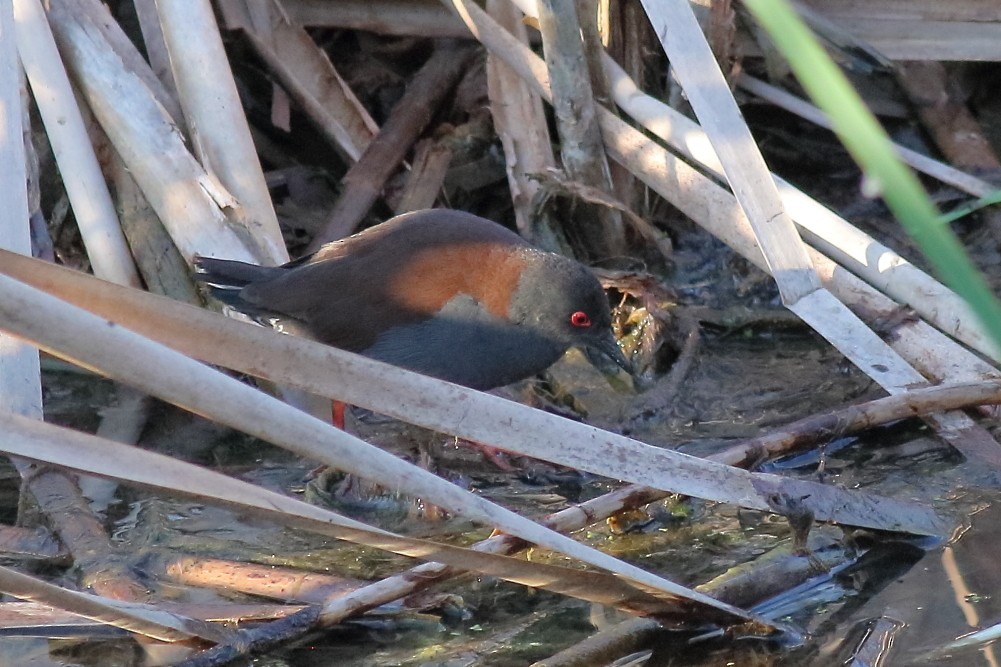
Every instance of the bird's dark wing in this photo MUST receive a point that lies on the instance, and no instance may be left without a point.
(398, 273)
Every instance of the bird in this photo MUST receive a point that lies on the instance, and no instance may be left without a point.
(441, 292)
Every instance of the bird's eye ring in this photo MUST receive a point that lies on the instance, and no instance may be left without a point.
(580, 319)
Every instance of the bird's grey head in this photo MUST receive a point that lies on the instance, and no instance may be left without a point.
(562, 300)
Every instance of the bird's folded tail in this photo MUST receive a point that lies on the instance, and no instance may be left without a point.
(225, 277)
(230, 273)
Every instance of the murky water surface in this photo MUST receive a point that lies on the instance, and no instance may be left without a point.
(902, 600)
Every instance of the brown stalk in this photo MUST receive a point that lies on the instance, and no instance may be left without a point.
(365, 180)
(956, 132)
(427, 176)
(599, 231)
(280, 583)
(623, 183)
(423, 18)
(520, 123)
(305, 73)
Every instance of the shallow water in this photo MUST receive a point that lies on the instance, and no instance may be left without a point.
(744, 382)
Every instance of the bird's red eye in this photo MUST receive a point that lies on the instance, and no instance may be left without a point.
(580, 319)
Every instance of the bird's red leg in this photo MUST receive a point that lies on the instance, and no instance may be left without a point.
(337, 409)
(493, 455)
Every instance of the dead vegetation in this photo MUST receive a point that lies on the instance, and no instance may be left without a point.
(150, 133)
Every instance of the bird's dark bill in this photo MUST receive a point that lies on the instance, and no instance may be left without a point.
(606, 350)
